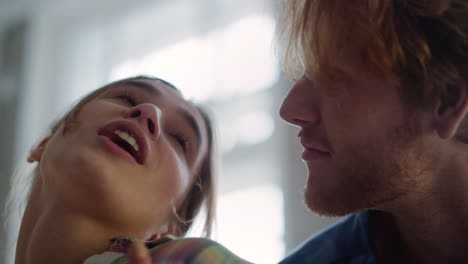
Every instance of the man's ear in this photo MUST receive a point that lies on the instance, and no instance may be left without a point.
(451, 109)
(36, 153)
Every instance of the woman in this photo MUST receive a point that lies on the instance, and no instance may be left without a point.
(131, 162)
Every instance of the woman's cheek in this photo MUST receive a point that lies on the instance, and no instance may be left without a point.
(183, 177)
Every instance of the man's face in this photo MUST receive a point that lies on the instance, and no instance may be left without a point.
(362, 145)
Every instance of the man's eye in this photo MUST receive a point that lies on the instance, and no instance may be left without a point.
(127, 99)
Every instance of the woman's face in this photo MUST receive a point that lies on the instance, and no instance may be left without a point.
(131, 156)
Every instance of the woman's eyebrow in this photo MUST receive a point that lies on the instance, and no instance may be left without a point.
(146, 87)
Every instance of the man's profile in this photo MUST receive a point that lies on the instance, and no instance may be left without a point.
(381, 100)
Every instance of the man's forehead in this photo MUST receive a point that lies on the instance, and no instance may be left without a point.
(342, 69)
(335, 71)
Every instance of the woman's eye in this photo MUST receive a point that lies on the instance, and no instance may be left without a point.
(127, 99)
(181, 141)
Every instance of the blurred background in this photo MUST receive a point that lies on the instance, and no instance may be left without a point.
(220, 53)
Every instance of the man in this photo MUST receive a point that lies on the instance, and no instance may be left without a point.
(381, 103)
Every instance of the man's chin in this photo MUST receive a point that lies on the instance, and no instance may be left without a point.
(328, 210)
(336, 204)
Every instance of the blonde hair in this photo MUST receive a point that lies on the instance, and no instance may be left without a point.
(422, 45)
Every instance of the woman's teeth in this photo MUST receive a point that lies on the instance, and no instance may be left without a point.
(127, 137)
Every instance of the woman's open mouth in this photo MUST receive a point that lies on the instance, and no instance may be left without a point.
(127, 138)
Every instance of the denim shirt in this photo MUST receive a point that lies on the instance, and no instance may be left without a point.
(346, 242)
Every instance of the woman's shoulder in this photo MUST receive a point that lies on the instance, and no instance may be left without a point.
(194, 250)
(180, 250)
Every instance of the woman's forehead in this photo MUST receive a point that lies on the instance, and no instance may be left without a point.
(154, 87)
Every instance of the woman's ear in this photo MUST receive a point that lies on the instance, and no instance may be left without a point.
(174, 229)
(168, 229)
(36, 153)
(451, 109)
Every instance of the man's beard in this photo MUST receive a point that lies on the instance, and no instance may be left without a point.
(371, 174)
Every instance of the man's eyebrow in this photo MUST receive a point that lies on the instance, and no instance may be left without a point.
(192, 122)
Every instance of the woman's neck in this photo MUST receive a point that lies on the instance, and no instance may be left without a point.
(60, 239)
(53, 234)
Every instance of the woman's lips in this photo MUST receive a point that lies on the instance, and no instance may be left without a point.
(108, 131)
(310, 154)
(116, 149)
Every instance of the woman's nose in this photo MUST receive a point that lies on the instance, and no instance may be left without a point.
(300, 106)
(148, 116)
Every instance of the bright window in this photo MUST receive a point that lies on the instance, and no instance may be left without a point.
(231, 69)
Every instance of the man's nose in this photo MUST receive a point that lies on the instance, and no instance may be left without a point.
(148, 116)
(300, 107)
